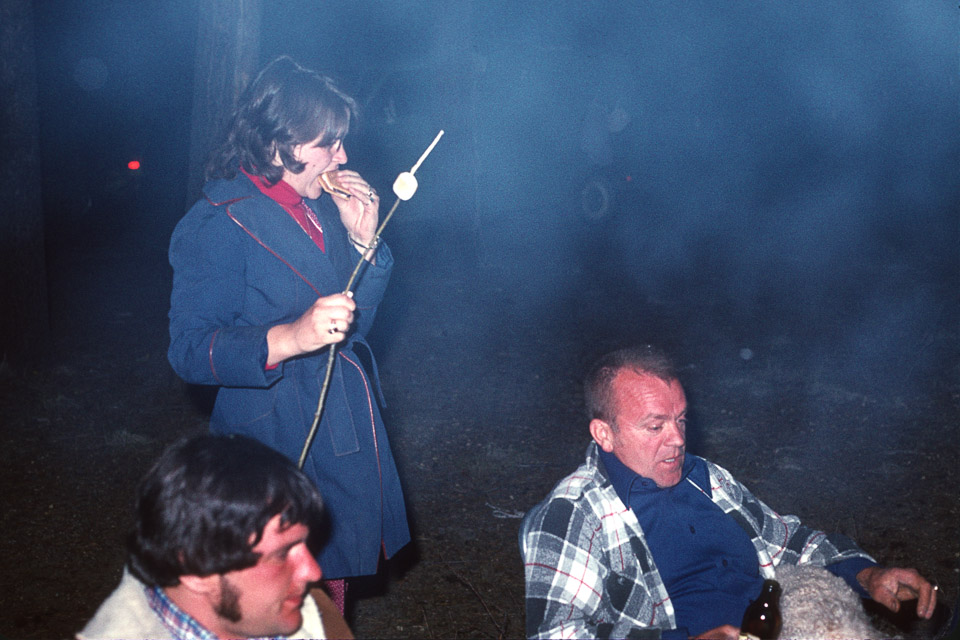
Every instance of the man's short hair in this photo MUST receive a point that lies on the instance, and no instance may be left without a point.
(204, 504)
(598, 385)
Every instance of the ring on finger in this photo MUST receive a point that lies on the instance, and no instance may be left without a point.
(333, 327)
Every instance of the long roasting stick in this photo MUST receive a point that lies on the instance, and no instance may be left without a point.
(401, 189)
(427, 152)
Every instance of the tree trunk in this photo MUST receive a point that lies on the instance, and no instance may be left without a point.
(228, 49)
(24, 320)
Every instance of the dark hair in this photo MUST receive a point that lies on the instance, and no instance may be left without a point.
(203, 506)
(598, 385)
(284, 106)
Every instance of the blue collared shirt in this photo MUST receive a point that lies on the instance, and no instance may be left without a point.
(705, 559)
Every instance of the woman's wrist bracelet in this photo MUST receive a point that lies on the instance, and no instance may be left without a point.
(360, 245)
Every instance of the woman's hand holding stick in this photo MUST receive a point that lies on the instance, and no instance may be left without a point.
(404, 187)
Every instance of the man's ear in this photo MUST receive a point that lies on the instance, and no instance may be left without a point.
(602, 434)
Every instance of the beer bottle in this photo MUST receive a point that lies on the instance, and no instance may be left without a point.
(761, 620)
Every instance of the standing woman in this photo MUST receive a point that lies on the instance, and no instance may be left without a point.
(258, 265)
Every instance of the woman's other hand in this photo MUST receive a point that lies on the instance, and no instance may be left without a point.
(361, 213)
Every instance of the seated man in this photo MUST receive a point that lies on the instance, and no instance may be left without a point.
(218, 548)
(644, 540)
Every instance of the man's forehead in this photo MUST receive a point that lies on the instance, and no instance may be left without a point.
(645, 387)
(278, 533)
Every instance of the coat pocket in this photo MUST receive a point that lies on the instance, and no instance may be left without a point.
(339, 419)
(240, 409)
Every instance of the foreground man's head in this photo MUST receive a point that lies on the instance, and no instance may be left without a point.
(219, 546)
(222, 525)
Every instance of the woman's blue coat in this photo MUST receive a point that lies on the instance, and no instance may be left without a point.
(242, 265)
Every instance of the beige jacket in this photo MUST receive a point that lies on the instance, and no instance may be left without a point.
(127, 615)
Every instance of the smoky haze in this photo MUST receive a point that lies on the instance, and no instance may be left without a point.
(769, 189)
(792, 167)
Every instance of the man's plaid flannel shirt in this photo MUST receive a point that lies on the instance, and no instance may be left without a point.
(590, 574)
(181, 624)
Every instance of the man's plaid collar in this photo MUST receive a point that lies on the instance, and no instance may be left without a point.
(180, 623)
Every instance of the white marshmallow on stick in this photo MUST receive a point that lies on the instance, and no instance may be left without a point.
(406, 184)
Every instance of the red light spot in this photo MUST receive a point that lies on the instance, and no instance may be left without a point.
(629, 178)
(133, 165)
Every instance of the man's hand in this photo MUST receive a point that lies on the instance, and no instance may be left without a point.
(893, 585)
(724, 632)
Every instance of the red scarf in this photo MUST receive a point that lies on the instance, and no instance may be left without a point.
(291, 201)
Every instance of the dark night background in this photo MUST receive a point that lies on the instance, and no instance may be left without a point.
(770, 190)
